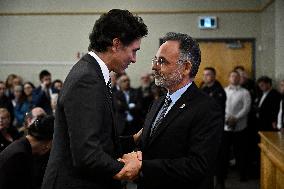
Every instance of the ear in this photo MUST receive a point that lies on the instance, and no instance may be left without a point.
(187, 67)
(116, 43)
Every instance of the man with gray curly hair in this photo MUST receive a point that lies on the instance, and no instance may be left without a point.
(182, 130)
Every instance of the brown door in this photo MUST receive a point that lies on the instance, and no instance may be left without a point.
(224, 56)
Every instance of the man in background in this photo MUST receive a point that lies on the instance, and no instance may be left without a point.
(213, 87)
(42, 94)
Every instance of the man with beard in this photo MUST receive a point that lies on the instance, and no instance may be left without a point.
(182, 130)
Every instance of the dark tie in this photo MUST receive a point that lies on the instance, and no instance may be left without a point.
(162, 115)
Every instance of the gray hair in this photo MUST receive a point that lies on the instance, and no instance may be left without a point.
(189, 49)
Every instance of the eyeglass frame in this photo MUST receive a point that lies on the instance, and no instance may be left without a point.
(155, 61)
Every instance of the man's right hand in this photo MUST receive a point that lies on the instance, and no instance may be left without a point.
(132, 166)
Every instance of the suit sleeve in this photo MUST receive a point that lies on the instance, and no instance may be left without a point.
(85, 110)
(199, 159)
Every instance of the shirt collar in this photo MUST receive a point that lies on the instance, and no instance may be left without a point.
(103, 66)
(234, 87)
(176, 95)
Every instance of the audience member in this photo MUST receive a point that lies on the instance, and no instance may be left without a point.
(237, 107)
(114, 85)
(246, 82)
(17, 160)
(9, 86)
(280, 119)
(128, 106)
(57, 84)
(267, 105)
(213, 87)
(8, 133)
(146, 93)
(5, 102)
(30, 117)
(42, 94)
(28, 90)
(21, 106)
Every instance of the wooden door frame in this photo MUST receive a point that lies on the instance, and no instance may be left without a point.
(230, 40)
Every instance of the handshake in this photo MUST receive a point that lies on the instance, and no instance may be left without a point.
(132, 165)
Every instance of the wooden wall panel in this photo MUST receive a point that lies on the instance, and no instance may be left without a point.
(224, 59)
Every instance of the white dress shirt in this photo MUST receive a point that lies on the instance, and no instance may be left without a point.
(279, 119)
(103, 66)
(237, 105)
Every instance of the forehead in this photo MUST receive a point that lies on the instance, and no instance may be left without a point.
(169, 49)
(234, 74)
(209, 72)
(124, 77)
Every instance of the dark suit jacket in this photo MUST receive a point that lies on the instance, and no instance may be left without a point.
(40, 99)
(182, 151)
(16, 165)
(84, 153)
(268, 111)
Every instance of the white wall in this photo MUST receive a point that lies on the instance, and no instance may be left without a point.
(54, 40)
(279, 39)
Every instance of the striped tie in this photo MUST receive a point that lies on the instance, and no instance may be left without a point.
(162, 115)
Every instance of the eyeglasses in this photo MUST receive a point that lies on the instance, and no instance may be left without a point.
(161, 61)
(158, 61)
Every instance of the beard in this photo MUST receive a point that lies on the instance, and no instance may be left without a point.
(174, 78)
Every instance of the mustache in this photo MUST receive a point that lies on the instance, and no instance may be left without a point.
(157, 74)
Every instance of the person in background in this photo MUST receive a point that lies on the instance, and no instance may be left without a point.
(267, 105)
(235, 133)
(213, 87)
(57, 84)
(17, 160)
(280, 118)
(114, 85)
(9, 86)
(146, 93)
(246, 82)
(21, 106)
(42, 94)
(28, 90)
(31, 116)
(128, 107)
(8, 133)
(5, 102)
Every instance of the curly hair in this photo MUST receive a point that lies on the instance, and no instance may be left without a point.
(189, 49)
(117, 23)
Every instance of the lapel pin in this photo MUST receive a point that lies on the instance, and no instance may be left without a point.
(182, 106)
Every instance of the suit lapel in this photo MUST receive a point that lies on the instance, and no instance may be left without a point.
(150, 119)
(181, 105)
(97, 67)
